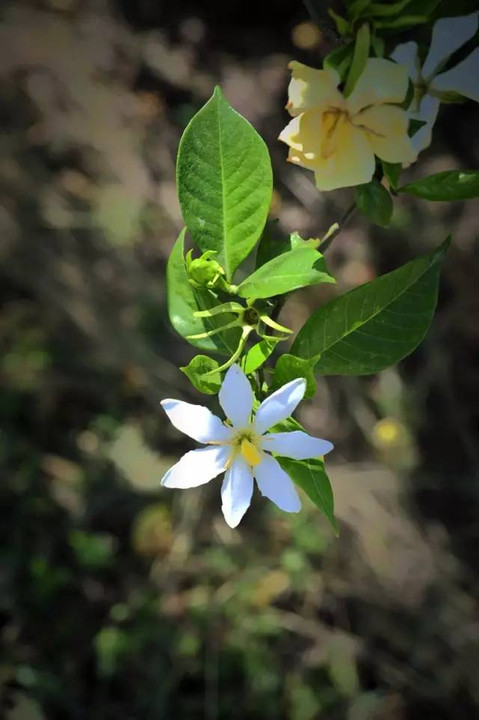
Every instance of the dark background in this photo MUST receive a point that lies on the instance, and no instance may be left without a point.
(124, 601)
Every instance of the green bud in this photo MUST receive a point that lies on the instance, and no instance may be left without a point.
(204, 271)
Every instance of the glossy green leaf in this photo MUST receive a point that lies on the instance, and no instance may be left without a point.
(290, 367)
(342, 25)
(195, 371)
(401, 22)
(414, 126)
(356, 9)
(392, 172)
(378, 45)
(374, 201)
(257, 355)
(296, 241)
(273, 243)
(224, 182)
(339, 59)
(311, 476)
(183, 300)
(360, 58)
(286, 272)
(377, 324)
(447, 185)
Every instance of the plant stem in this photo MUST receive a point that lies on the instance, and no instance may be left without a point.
(341, 225)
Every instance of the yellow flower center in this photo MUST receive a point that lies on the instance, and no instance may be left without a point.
(246, 442)
(250, 452)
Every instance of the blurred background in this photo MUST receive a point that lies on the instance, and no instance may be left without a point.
(124, 601)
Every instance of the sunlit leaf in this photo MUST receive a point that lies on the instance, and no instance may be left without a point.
(195, 371)
(290, 367)
(184, 300)
(377, 324)
(286, 272)
(257, 355)
(224, 182)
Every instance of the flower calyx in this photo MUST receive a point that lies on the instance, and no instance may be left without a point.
(249, 317)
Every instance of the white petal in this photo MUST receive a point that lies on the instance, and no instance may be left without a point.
(236, 396)
(428, 109)
(197, 467)
(280, 405)
(237, 491)
(275, 484)
(296, 445)
(448, 35)
(462, 79)
(407, 54)
(195, 421)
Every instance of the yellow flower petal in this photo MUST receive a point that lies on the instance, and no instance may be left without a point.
(303, 133)
(310, 88)
(386, 127)
(339, 153)
(351, 163)
(382, 81)
(299, 158)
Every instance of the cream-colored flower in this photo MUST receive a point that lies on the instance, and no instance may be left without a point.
(336, 136)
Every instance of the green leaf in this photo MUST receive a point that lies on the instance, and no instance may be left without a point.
(392, 171)
(257, 355)
(296, 241)
(360, 58)
(290, 367)
(401, 22)
(224, 182)
(377, 324)
(339, 59)
(286, 272)
(183, 300)
(272, 243)
(342, 25)
(378, 45)
(447, 185)
(311, 476)
(374, 201)
(414, 126)
(195, 370)
(356, 9)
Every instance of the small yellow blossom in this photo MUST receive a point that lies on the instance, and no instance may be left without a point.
(336, 136)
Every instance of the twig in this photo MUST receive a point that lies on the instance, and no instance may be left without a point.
(340, 226)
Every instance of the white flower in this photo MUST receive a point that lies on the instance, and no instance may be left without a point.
(240, 446)
(448, 35)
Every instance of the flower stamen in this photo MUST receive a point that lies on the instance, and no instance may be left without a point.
(250, 452)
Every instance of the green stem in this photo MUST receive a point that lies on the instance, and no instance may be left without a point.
(244, 336)
(201, 336)
(219, 309)
(273, 324)
(330, 236)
